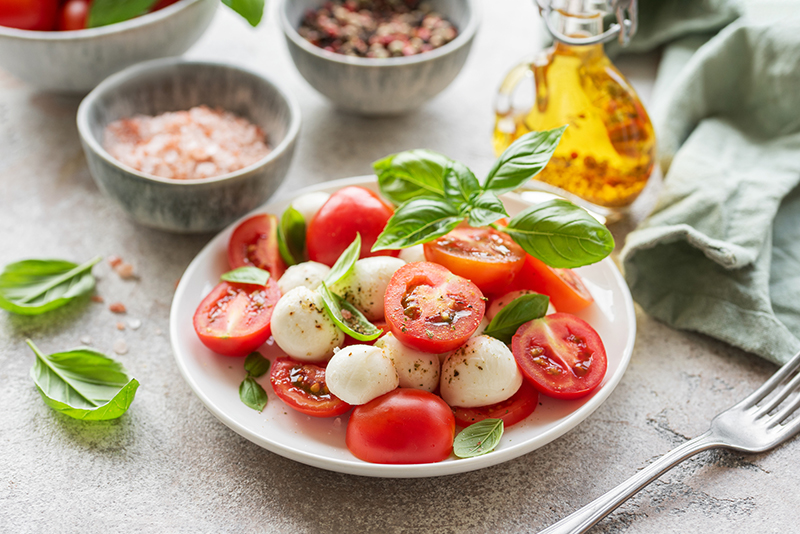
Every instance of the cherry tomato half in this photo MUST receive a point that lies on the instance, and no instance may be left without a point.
(302, 386)
(349, 211)
(431, 309)
(487, 257)
(72, 15)
(161, 4)
(39, 15)
(563, 286)
(234, 319)
(511, 411)
(255, 242)
(561, 355)
(404, 426)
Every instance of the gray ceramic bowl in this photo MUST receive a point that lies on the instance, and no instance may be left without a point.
(173, 84)
(380, 86)
(76, 61)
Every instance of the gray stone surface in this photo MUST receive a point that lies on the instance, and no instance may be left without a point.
(170, 466)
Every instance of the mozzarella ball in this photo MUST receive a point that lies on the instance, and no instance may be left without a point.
(365, 286)
(308, 274)
(500, 303)
(481, 372)
(417, 370)
(302, 328)
(412, 254)
(309, 204)
(359, 373)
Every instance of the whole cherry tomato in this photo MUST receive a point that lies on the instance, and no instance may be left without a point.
(72, 15)
(37, 15)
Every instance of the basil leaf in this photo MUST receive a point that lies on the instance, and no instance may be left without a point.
(292, 236)
(516, 313)
(347, 317)
(523, 160)
(104, 12)
(83, 383)
(252, 394)
(250, 10)
(561, 234)
(32, 287)
(478, 439)
(460, 185)
(486, 209)
(418, 221)
(256, 365)
(412, 174)
(247, 275)
(345, 263)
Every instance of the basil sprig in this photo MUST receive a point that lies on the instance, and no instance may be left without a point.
(346, 316)
(247, 275)
(411, 174)
(292, 236)
(346, 262)
(516, 313)
(250, 392)
(83, 383)
(32, 287)
(478, 439)
(105, 12)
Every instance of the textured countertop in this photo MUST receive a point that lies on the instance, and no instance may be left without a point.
(169, 466)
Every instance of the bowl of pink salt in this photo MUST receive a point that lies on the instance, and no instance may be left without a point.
(188, 146)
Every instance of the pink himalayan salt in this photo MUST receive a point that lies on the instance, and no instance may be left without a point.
(186, 145)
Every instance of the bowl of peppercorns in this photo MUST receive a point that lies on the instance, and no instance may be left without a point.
(379, 57)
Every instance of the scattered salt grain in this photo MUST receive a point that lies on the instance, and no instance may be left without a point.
(117, 307)
(114, 260)
(124, 270)
(120, 347)
(86, 340)
(98, 298)
(135, 324)
(120, 326)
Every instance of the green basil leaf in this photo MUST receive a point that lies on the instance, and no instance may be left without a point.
(460, 185)
(412, 174)
(345, 263)
(32, 287)
(478, 439)
(347, 317)
(486, 209)
(292, 236)
(251, 10)
(418, 221)
(516, 313)
(256, 365)
(104, 12)
(83, 383)
(561, 234)
(246, 275)
(523, 160)
(252, 394)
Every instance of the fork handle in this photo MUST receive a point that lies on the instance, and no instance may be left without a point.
(586, 517)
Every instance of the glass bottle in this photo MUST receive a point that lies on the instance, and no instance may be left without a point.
(608, 149)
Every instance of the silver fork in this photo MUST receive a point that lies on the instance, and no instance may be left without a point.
(756, 424)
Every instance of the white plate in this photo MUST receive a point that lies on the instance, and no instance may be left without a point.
(321, 442)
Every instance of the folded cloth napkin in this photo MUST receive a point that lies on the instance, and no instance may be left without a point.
(720, 254)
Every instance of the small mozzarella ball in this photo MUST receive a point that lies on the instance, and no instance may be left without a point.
(309, 204)
(417, 370)
(359, 373)
(365, 286)
(481, 372)
(302, 328)
(412, 254)
(481, 327)
(308, 274)
(500, 303)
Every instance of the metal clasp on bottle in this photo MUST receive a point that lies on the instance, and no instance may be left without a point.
(624, 29)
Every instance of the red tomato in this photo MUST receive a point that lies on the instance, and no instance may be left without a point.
(563, 286)
(431, 309)
(405, 426)
(349, 211)
(234, 319)
(302, 386)
(487, 257)
(161, 4)
(561, 355)
(72, 15)
(255, 242)
(511, 411)
(37, 15)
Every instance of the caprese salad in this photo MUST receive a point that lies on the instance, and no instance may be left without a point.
(421, 309)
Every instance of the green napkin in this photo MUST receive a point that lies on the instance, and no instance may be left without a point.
(720, 254)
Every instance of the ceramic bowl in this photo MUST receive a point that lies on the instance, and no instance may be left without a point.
(380, 86)
(76, 61)
(174, 84)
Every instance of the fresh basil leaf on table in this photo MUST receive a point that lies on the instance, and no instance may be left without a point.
(418, 221)
(347, 317)
(251, 10)
(523, 160)
(32, 287)
(292, 237)
(516, 313)
(250, 392)
(247, 275)
(105, 12)
(478, 439)
(560, 234)
(83, 383)
(345, 263)
(412, 174)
